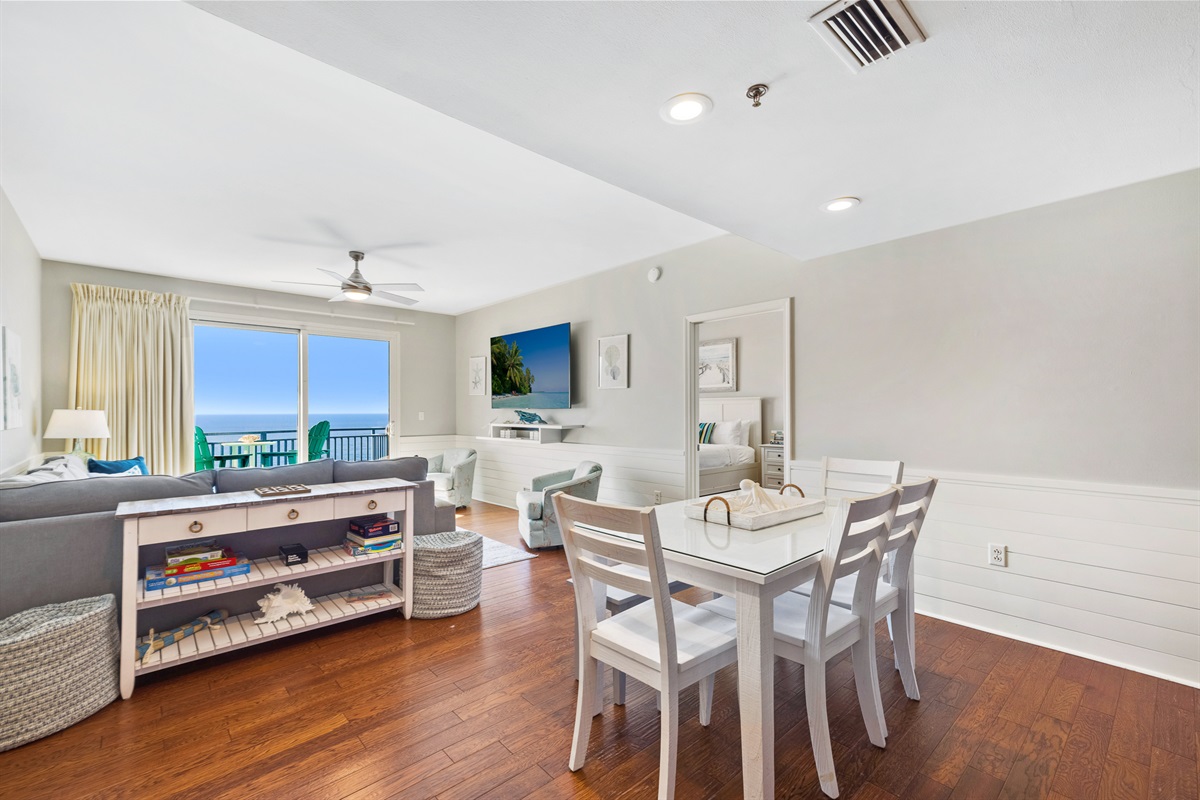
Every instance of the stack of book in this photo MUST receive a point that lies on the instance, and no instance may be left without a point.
(375, 534)
(192, 562)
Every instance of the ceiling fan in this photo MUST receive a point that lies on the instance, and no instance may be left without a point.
(358, 288)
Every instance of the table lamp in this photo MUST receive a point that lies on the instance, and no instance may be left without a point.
(77, 424)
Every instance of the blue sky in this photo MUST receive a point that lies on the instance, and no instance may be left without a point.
(547, 352)
(242, 371)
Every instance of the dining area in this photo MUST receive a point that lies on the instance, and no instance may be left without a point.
(808, 590)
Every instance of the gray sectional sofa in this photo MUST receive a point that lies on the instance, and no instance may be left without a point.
(60, 541)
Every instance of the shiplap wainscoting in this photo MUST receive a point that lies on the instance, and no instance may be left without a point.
(1107, 572)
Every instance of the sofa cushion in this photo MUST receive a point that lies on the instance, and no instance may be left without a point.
(410, 468)
(244, 480)
(442, 481)
(63, 498)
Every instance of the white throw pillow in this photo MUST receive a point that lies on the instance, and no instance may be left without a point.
(727, 432)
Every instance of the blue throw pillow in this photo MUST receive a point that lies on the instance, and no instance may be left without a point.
(706, 432)
(117, 467)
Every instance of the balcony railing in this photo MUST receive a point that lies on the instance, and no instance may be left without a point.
(346, 444)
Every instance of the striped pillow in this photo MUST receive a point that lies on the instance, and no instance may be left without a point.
(706, 432)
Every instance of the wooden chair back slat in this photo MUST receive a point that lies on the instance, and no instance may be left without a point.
(855, 477)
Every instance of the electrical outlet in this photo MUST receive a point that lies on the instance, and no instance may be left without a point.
(657, 497)
(998, 555)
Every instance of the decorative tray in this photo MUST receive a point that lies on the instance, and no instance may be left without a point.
(797, 508)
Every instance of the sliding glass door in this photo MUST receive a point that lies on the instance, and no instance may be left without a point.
(348, 381)
(268, 396)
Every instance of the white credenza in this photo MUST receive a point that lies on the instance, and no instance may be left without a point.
(772, 466)
(176, 519)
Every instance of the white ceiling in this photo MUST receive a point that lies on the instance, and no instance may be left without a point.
(158, 138)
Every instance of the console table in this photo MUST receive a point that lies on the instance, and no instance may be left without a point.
(159, 522)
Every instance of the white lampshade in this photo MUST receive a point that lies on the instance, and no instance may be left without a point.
(77, 423)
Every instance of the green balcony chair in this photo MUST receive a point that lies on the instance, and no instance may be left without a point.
(318, 446)
(205, 458)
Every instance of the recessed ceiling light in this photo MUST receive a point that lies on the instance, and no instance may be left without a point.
(841, 204)
(684, 108)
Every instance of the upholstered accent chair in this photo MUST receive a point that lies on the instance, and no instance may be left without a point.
(536, 518)
(453, 475)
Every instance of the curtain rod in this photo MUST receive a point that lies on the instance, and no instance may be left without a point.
(261, 307)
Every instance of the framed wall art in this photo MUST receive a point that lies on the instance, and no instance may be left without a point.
(718, 365)
(614, 361)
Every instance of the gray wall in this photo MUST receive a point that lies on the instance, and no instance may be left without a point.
(760, 365)
(1061, 341)
(20, 312)
(426, 348)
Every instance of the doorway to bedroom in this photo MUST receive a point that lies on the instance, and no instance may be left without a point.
(739, 401)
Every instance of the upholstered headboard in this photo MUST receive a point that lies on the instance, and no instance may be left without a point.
(724, 409)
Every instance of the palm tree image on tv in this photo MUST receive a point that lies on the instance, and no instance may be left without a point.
(532, 369)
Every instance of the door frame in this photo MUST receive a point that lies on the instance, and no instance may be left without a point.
(691, 345)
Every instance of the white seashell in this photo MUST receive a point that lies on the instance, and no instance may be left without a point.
(286, 599)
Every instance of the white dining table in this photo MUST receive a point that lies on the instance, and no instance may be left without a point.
(753, 567)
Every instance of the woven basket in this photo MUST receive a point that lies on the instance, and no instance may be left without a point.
(58, 665)
(447, 573)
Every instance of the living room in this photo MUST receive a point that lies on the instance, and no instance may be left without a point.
(1011, 308)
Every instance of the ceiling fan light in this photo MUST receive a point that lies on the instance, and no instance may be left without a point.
(356, 293)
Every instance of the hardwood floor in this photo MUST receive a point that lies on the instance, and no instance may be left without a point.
(482, 705)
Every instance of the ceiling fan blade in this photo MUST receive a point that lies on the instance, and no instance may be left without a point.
(339, 297)
(303, 242)
(334, 275)
(395, 298)
(396, 246)
(302, 283)
(404, 287)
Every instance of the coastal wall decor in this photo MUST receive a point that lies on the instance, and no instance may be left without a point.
(718, 365)
(614, 361)
(476, 375)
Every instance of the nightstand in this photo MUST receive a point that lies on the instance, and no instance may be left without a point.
(772, 466)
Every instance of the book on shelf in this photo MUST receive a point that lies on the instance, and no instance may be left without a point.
(194, 552)
(372, 540)
(228, 559)
(157, 579)
(375, 525)
(356, 549)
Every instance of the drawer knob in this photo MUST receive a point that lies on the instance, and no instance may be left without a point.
(196, 526)
(293, 514)
(372, 505)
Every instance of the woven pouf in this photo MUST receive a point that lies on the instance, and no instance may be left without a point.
(58, 665)
(447, 573)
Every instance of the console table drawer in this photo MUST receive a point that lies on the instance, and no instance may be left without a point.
(196, 525)
(296, 513)
(362, 505)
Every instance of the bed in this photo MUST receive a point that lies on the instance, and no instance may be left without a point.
(724, 463)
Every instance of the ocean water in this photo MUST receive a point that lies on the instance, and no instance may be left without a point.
(240, 424)
(537, 400)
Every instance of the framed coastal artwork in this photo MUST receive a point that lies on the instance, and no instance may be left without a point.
(476, 375)
(718, 365)
(614, 361)
(10, 361)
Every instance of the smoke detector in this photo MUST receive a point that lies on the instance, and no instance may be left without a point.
(863, 32)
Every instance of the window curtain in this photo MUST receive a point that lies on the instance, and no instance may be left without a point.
(131, 356)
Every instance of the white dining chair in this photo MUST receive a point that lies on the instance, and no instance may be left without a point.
(618, 600)
(894, 596)
(856, 477)
(811, 630)
(664, 643)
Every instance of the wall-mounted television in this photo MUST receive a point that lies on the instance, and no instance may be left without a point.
(532, 369)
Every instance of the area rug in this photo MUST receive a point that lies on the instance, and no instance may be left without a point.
(497, 553)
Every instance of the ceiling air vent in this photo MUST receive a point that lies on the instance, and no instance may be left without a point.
(865, 31)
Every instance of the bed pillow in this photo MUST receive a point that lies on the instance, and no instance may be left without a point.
(706, 432)
(729, 432)
(118, 467)
(745, 440)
